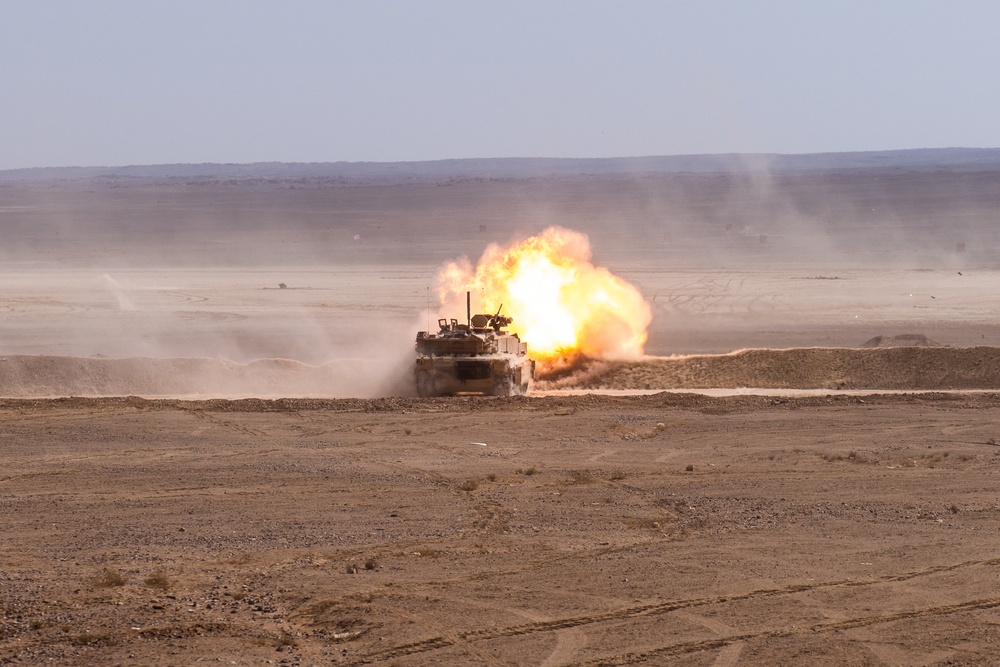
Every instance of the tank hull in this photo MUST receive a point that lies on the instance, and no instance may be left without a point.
(478, 357)
(493, 375)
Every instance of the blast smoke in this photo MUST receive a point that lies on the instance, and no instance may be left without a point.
(562, 304)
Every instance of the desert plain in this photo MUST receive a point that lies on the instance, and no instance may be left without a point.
(211, 452)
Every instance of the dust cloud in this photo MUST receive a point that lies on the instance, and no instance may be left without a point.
(220, 333)
(301, 286)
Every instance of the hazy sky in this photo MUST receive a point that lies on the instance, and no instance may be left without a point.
(100, 82)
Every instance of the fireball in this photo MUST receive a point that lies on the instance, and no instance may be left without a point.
(563, 306)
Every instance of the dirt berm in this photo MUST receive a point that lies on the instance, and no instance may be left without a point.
(798, 368)
(913, 368)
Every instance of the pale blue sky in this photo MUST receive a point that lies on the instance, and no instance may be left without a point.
(101, 82)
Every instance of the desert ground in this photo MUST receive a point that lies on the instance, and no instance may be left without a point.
(585, 530)
(199, 465)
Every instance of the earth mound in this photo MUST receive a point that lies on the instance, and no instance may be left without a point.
(55, 376)
(883, 367)
(897, 368)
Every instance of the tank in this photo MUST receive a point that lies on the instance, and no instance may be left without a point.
(477, 357)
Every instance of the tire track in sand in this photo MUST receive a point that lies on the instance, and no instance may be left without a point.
(656, 608)
(684, 648)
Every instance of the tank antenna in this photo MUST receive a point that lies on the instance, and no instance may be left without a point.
(468, 308)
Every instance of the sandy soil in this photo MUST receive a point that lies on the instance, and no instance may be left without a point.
(351, 525)
(665, 529)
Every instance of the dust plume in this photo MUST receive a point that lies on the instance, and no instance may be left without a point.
(119, 292)
(203, 333)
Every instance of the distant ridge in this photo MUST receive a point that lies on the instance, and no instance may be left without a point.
(361, 173)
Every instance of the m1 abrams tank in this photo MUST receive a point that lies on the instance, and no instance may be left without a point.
(478, 357)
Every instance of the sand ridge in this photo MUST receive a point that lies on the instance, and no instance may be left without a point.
(916, 368)
(50, 376)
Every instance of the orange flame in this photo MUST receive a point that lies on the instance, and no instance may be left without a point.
(562, 305)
